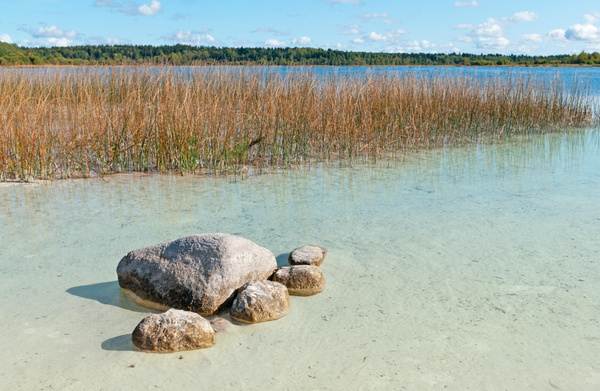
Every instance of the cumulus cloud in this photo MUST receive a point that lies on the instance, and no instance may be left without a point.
(350, 30)
(373, 36)
(592, 17)
(473, 3)
(132, 8)
(302, 41)
(53, 32)
(491, 43)
(531, 38)
(524, 16)
(193, 38)
(358, 40)
(556, 35)
(490, 34)
(583, 32)
(5, 38)
(274, 43)
(393, 36)
(149, 9)
(355, 2)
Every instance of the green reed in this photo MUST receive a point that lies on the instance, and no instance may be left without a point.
(90, 122)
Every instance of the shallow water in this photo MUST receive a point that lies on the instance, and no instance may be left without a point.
(471, 268)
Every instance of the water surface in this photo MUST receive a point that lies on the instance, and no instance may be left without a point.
(468, 268)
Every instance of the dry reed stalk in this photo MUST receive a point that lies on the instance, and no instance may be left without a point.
(85, 122)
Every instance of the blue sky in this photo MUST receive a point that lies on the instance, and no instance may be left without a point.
(539, 27)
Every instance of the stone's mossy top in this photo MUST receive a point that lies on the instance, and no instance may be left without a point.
(198, 273)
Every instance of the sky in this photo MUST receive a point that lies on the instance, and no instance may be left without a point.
(536, 27)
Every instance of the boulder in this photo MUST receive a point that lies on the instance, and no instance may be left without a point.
(260, 301)
(308, 255)
(173, 331)
(199, 273)
(301, 280)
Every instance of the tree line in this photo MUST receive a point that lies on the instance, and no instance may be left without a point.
(13, 55)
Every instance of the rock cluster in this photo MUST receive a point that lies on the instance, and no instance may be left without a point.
(202, 275)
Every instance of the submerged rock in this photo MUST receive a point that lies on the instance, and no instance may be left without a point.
(220, 325)
(173, 331)
(308, 255)
(261, 301)
(301, 280)
(198, 273)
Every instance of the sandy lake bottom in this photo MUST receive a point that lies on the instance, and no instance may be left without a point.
(473, 268)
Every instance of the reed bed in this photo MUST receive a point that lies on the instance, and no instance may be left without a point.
(95, 122)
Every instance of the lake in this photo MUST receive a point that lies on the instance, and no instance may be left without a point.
(463, 268)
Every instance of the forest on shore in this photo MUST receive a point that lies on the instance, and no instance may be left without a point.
(181, 55)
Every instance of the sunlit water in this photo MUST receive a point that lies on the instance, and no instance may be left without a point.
(466, 269)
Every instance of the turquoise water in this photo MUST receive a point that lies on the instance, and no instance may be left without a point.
(469, 268)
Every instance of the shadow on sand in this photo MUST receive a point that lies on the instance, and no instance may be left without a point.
(122, 343)
(107, 293)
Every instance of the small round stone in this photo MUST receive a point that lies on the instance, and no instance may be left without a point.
(308, 255)
(261, 301)
(173, 331)
(301, 280)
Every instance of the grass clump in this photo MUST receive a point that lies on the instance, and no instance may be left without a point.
(79, 123)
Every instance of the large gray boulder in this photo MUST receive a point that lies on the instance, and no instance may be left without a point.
(261, 301)
(173, 331)
(199, 273)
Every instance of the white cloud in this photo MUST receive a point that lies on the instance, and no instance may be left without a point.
(491, 43)
(374, 15)
(524, 16)
(355, 2)
(53, 32)
(5, 38)
(352, 31)
(592, 17)
(530, 38)
(302, 41)
(583, 32)
(373, 36)
(192, 38)
(114, 41)
(274, 43)
(394, 36)
(473, 3)
(490, 28)
(556, 35)
(358, 40)
(149, 10)
(53, 41)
